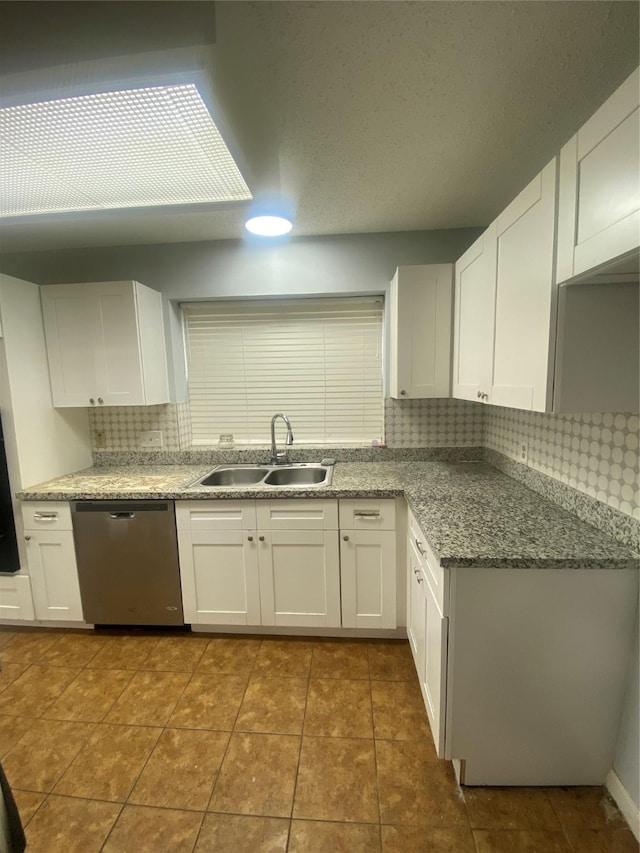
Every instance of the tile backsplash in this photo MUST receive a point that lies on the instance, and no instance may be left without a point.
(595, 454)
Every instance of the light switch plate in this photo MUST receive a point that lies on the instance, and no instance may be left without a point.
(150, 438)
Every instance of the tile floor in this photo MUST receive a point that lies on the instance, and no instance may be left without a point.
(122, 742)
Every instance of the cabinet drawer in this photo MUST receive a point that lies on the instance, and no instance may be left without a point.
(297, 514)
(15, 597)
(367, 514)
(216, 515)
(435, 575)
(46, 515)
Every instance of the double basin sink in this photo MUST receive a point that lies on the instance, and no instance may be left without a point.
(301, 474)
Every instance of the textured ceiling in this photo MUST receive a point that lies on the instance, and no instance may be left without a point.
(386, 116)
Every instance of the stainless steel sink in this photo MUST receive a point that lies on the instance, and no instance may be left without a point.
(287, 476)
(300, 475)
(236, 475)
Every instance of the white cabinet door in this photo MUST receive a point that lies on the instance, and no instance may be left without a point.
(525, 301)
(474, 319)
(219, 577)
(433, 683)
(368, 575)
(54, 575)
(420, 302)
(105, 344)
(416, 611)
(16, 602)
(599, 200)
(299, 577)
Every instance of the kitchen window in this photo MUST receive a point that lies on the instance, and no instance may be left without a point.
(317, 360)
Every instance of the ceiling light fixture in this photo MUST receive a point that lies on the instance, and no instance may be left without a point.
(147, 147)
(270, 215)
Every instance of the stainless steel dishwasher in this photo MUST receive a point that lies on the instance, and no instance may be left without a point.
(127, 553)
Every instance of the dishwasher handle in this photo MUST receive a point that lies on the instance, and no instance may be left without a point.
(122, 516)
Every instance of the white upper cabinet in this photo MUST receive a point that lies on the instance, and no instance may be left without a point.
(599, 213)
(474, 319)
(525, 300)
(105, 344)
(420, 339)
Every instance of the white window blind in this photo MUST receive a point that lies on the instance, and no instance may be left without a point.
(317, 360)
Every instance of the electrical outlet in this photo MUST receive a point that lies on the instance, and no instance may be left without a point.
(523, 455)
(99, 439)
(150, 438)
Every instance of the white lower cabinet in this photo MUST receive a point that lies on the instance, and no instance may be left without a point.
(299, 578)
(219, 574)
(51, 558)
(16, 602)
(427, 630)
(256, 563)
(522, 670)
(368, 563)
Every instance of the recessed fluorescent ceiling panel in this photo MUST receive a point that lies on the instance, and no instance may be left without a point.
(137, 148)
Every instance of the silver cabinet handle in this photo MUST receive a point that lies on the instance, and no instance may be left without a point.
(45, 516)
(92, 401)
(346, 538)
(403, 393)
(419, 579)
(366, 513)
(420, 547)
(28, 538)
(261, 538)
(249, 538)
(100, 400)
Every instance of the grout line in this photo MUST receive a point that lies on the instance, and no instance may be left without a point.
(375, 749)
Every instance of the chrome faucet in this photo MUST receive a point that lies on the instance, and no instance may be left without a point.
(282, 457)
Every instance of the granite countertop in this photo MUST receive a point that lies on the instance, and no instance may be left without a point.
(471, 513)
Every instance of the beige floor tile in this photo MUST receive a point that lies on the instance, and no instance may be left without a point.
(90, 695)
(339, 659)
(308, 836)
(44, 753)
(11, 730)
(28, 804)
(5, 636)
(415, 788)
(510, 808)
(585, 808)
(284, 657)
(176, 654)
(398, 711)
(210, 702)
(273, 704)
(603, 840)
(124, 652)
(258, 775)
(520, 841)
(181, 770)
(338, 708)
(141, 829)
(230, 656)
(109, 763)
(28, 647)
(74, 649)
(35, 690)
(70, 825)
(230, 833)
(9, 673)
(391, 661)
(411, 839)
(149, 699)
(337, 780)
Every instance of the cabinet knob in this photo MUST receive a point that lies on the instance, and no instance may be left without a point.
(100, 400)
(249, 538)
(419, 579)
(479, 395)
(346, 538)
(261, 538)
(403, 393)
(27, 538)
(92, 401)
